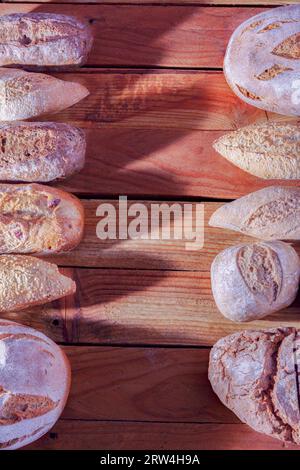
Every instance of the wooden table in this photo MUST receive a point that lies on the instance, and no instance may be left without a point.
(139, 329)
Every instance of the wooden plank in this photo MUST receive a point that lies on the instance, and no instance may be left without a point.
(97, 435)
(141, 307)
(152, 35)
(142, 384)
(164, 163)
(171, 2)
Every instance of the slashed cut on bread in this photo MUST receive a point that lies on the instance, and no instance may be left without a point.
(24, 95)
(35, 380)
(40, 151)
(38, 219)
(26, 281)
(40, 40)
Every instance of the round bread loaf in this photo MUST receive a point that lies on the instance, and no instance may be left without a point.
(262, 60)
(252, 281)
(255, 374)
(34, 384)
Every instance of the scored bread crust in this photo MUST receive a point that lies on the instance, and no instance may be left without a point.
(24, 95)
(35, 380)
(269, 150)
(39, 219)
(43, 40)
(268, 74)
(27, 281)
(40, 151)
(251, 281)
(255, 374)
(270, 213)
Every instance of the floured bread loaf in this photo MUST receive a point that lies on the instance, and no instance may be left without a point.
(269, 150)
(27, 281)
(262, 60)
(43, 40)
(38, 219)
(271, 213)
(34, 384)
(251, 281)
(255, 374)
(24, 95)
(40, 151)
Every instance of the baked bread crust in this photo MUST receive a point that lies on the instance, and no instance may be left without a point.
(34, 384)
(43, 40)
(255, 374)
(39, 219)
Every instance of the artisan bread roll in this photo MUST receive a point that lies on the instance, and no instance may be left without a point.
(24, 95)
(27, 281)
(251, 281)
(269, 150)
(38, 219)
(40, 151)
(262, 60)
(34, 384)
(270, 214)
(43, 40)
(255, 374)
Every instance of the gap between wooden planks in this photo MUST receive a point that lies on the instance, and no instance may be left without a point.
(142, 398)
(169, 36)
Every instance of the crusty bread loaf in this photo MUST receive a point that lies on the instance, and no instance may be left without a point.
(251, 281)
(24, 95)
(38, 219)
(270, 214)
(43, 40)
(255, 374)
(34, 384)
(269, 150)
(262, 60)
(40, 151)
(26, 281)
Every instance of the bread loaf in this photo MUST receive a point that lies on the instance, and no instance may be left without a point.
(38, 219)
(269, 150)
(251, 281)
(26, 281)
(270, 214)
(262, 60)
(255, 374)
(24, 95)
(34, 384)
(40, 151)
(43, 40)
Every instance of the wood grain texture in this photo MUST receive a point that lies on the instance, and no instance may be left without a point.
(142, 384)
(97, 435)
(152, 35)
(141, 307)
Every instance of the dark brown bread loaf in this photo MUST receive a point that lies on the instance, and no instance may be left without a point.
(255, 374)
(40, 151)
(40, 40)
(34, 384)
(262, 60)
(38, 219)
(25, 95)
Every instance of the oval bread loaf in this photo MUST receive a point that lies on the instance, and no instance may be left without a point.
(26, 281)
(24, 95)
(43, 40)
(262, 60)
(271, 213)
(38, 219)
(251, 281)
(34, 384)
(269, 150)
(255, 374)
(40, 151)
